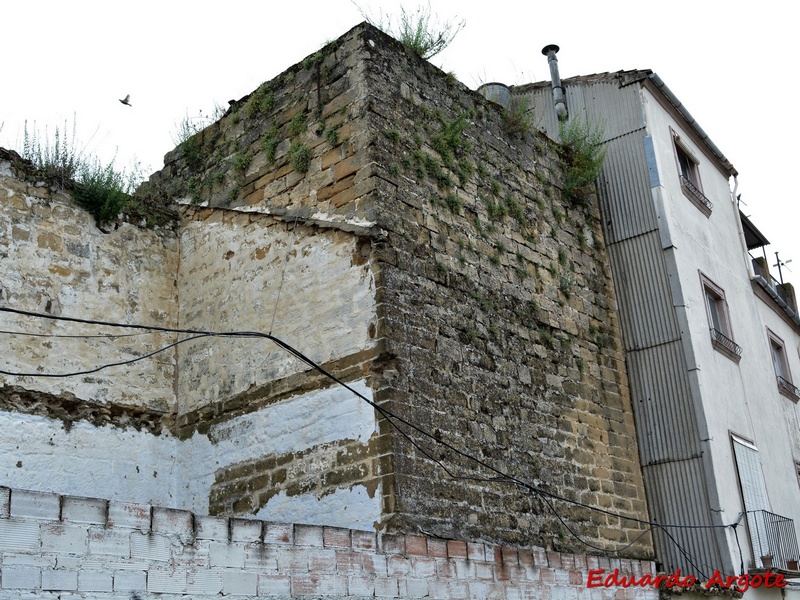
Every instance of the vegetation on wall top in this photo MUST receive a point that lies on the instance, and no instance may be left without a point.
(419, 31)
(101, 189)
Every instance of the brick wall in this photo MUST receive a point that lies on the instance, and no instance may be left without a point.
(53, 545)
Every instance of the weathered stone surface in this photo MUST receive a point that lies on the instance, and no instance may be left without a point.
(376, 215)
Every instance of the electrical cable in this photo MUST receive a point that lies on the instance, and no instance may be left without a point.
(391, 417)
(105, 366)
(81, 336)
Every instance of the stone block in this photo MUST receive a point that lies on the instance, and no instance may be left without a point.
(166, 581)
(68, 539)
(392, 544)
(456, 549)
(239, 583)
(292, 559)
(84, 510)
(129, 515)
(29, 560)
(364, 540)
(21, 578)
(423, 567)
(320, 561)
(172, 521)
(246, 530)
(116, 542)
(274, 585)
(386, 587)
(336, 537)
(35, 505)
(416, 545)
(59, 580)
(130, 581)
(150, 547)
(418, 588)
(261, 557)
(211, 528)
(323, 585)
(361, 585)
(308, 535)
(95, 581)
(278, 533)
(226, 555)
(476, 551)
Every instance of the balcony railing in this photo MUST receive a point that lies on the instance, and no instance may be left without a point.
(787, 387)
(725, 343)
(776, 288)
(695, 194)
(773, 536)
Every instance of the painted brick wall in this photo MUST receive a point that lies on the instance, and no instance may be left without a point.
(61, 546)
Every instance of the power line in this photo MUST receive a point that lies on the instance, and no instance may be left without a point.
(501, 477)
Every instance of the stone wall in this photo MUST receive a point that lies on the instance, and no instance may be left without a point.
(251, 272)
(498, 310)
(496, 335)
(55, 261)
(57, 546)
(411, 237)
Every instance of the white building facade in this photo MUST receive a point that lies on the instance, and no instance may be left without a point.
(712, 339)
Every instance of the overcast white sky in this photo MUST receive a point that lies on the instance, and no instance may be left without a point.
(730, 63)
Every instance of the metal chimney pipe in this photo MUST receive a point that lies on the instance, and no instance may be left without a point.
(558, 90)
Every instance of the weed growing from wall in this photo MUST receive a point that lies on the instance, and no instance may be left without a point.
(517, 117)
(582, 142)
(300, 157)
(419, 31)
(101, 189)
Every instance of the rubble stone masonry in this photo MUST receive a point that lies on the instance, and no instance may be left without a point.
(411, 238)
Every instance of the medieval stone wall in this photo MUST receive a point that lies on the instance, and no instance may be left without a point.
(498, 312)
(425, 254)
(497, 322)
(55, 261)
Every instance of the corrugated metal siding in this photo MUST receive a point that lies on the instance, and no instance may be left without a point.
(674, 474)
(643, 292)
(624, 190)
(662, 403)
(674, 500)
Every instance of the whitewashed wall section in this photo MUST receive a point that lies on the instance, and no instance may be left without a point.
(248, 272)
(38, 453)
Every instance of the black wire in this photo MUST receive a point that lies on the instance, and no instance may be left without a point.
(105, 366)
(60, 335)
(390, 416)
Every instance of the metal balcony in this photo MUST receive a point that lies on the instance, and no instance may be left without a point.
(787, 388)
(773, 536)
(725, 343)
(695, 194)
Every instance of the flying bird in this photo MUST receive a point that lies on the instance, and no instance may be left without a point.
(127, 100)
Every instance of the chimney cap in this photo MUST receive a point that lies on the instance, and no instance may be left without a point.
(550, 47)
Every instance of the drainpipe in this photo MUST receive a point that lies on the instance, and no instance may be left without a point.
(558, 90)
(748, 263)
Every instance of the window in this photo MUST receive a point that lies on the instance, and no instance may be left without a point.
(719, 320)
(690, 176)
(754, 495)
(781, 365)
